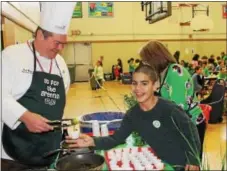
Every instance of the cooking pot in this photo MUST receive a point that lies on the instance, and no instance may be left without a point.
(85, 161)
(76, 159)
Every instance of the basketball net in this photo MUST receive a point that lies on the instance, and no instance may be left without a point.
(201, 22)
(180, 15)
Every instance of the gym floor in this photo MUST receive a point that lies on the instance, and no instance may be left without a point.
(82, 100)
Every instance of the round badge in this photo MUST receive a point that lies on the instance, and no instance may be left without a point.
(156, 124)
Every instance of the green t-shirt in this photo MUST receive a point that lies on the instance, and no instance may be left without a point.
(225, 59)
(190, 70)
(131, 68)
(222, 75)
(178, 87)
(206, 72)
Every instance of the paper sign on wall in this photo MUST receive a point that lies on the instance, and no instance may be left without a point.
(77, 12)
(100, 9)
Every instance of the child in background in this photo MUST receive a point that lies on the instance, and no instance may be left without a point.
(182, 62)
(137, 62)
(195, 61)
(98, 73)
(205, 69)
(204, 58)
(190, 68)
(223, 72)
(120, 66)
(116, 72)
(218, 67)
(198, 80)
(131, 65)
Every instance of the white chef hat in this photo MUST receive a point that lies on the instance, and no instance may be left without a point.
(55, 17)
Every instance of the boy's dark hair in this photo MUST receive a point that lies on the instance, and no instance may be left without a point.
(204, 62)
(219, 62)
(177, 55)
(197, 68)
(204, 57)
(137, 61)
(186, 64)
(200, 63)
(45, 33)
(218, 58)
(131, 59)
(147, 70)
(196, 57)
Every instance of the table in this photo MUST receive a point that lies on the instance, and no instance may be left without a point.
(211, 78)
(105, 167)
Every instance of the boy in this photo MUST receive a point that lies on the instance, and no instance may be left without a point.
(161, 123)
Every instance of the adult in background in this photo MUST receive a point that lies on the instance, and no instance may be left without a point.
(99, 74)
(198, 80)
(35, 82)
(177, 56)
(119, 63)
(101, 60)
(176, 83)
(195, 60)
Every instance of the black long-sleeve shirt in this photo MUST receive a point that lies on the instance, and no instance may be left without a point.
(162, 128)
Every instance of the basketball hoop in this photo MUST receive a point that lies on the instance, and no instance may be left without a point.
(201, 23)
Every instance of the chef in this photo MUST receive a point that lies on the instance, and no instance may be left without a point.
(35, 80)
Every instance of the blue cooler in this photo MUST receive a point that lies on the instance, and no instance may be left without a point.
(108, 76)
(126, 78)
(85, 121)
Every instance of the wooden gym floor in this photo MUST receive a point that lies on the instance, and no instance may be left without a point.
(82, 100)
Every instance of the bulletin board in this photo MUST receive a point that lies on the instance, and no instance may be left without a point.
(100, 9)
(77, 12)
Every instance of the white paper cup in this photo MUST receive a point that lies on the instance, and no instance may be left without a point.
(74, 134)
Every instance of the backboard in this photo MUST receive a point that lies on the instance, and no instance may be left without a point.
(156, 10)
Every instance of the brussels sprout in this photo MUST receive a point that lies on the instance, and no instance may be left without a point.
(75, 121)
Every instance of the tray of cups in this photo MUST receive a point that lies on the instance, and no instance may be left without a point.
(133, 158)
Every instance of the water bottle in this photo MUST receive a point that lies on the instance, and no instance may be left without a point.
(95, 128)
(104, 130)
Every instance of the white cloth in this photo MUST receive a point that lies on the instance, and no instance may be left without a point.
(56, 16)
(17, 67)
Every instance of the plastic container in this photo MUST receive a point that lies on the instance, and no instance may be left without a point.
(104, 130)
(206, 111)
(95, 128)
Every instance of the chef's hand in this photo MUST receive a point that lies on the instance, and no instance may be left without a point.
(35, 123)
(192, 167)
(82, 141)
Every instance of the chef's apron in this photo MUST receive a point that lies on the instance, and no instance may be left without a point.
(45, 96)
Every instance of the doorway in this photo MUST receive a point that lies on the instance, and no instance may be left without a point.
(83, 60)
